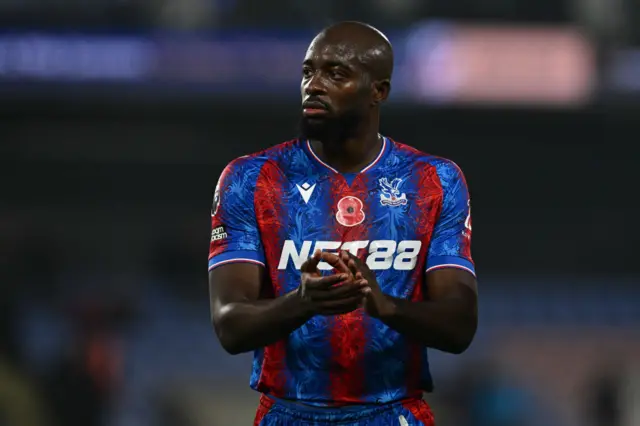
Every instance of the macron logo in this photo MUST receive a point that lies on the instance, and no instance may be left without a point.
(306, 190)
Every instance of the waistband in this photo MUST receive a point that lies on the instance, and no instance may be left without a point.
(342, 413)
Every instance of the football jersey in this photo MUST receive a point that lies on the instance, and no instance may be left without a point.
(405, 214)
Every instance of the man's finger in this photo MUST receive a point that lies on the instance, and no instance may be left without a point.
(353, 257)
(311, 264)
(338, 292)
(324, 282)
(352, 261)
(335, 261)
(344, 255)
(353, 267)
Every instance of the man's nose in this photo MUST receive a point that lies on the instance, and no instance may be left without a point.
(314, 86)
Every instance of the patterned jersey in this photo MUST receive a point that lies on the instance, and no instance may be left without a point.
(405, 214)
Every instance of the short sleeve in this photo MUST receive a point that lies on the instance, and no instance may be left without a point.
(234, 230)
(450, 245)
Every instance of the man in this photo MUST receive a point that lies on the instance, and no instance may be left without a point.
(341, 256)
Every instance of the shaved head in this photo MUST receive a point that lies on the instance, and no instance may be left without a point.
(367, 44)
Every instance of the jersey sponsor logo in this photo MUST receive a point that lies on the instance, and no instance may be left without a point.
(391, 195)
(306, 191)
(381, 254)
(350, 211)
(218, 233)
(216, 200)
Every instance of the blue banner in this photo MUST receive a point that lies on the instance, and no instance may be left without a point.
(434, 63)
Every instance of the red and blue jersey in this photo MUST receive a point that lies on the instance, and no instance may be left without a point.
(405, 214)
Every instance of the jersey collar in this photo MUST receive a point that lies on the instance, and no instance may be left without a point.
(385, 146)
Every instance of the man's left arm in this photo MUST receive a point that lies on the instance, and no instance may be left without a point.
(447, 319)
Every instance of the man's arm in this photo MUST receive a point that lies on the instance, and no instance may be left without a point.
(448, 317)
(242, 322)
(237, 267)
(447, 320)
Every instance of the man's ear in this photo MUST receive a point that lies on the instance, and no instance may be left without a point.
(381, 89)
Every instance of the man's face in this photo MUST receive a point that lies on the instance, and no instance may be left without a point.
(335, 90)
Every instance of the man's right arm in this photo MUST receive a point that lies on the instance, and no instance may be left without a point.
(242, 321)
(237, 267)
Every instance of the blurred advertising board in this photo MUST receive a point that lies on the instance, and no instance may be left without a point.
(436, 63)
(503, 65)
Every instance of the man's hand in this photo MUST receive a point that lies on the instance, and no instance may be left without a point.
(375, 302)
(330, 295)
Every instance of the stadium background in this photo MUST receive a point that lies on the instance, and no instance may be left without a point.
(117, 116)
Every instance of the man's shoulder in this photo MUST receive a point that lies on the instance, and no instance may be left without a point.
(273, 156)
(414, 155)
